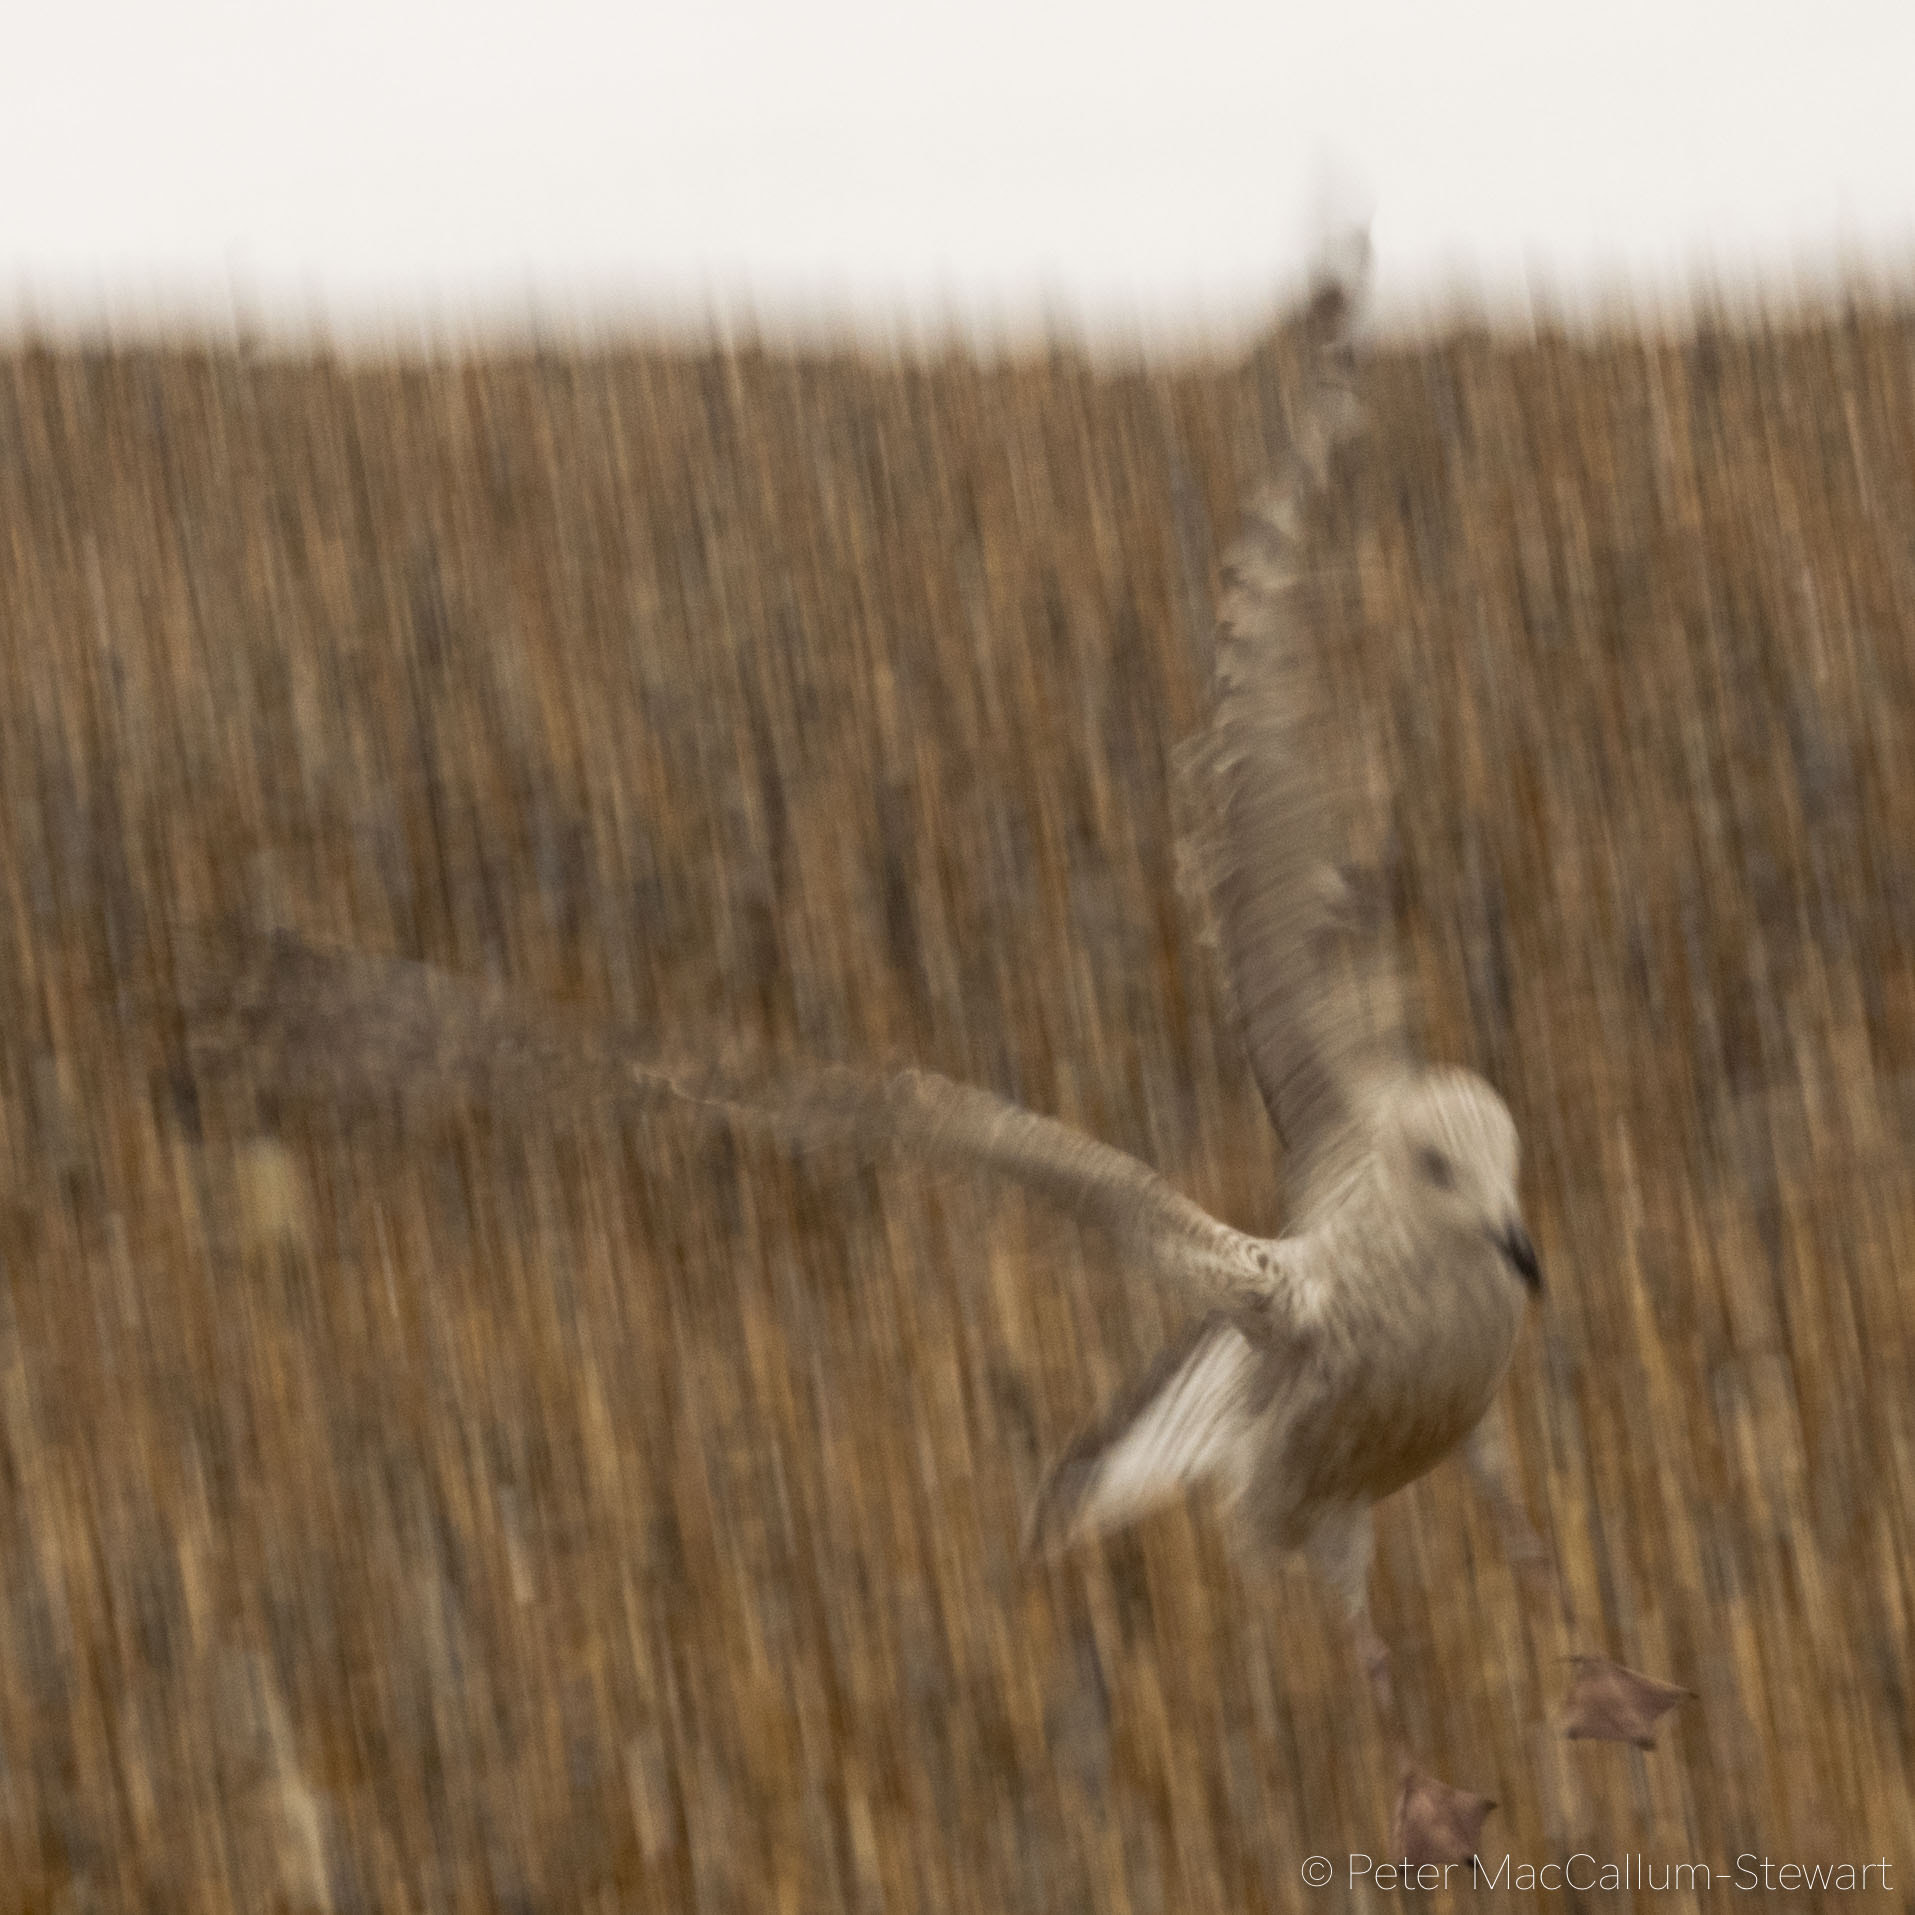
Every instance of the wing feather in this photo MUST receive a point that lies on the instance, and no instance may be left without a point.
(305, 1023)
(1277, 781)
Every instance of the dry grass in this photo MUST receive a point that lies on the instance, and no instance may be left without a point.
(520, 1511)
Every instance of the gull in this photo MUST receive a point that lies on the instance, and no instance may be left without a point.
(1319, 1372)
(1323, 1370)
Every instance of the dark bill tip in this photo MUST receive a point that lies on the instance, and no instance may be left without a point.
(1520, 1254)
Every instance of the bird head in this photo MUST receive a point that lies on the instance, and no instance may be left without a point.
(1448, 1143)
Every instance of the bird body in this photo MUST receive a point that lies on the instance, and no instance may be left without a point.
(1415, 1341)
(1362, 1351)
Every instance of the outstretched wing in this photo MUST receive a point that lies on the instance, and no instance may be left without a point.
(1275, 781)
(939, 1120)
(322, 1026)
(307, 1024)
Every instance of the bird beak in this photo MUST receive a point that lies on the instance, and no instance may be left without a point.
(1519, 1253)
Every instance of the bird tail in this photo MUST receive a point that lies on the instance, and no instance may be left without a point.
(1182, 1422)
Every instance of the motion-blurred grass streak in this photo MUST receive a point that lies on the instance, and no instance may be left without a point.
(512, 1507)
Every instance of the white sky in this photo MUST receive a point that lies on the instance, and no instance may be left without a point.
(391, 164)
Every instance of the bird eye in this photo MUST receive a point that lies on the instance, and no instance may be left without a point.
(1437, 1168)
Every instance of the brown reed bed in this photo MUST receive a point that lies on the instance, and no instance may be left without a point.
(515, 1507)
